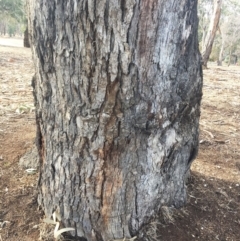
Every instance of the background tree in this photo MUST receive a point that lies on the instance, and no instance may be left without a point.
(117, 92)
(205, 8)
(230, 32)
(227, 34)
(230, 35)
(213, 27)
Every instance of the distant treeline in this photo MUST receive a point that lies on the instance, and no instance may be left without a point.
(13, 19)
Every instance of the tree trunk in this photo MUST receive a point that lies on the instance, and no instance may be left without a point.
(203, 36)
(26, 42)
(117, 92)
(213, 26)
(220, 57)
(4, 30)
(230, 55)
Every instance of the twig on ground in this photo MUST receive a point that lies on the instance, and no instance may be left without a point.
(210, 133)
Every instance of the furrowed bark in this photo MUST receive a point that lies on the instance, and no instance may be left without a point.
(118, 90)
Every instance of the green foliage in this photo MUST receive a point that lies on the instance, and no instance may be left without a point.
(228, 34)
(13, 17)
(11, 30)
(13, 8)
(215, 53)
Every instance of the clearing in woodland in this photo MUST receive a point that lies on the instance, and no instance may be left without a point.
(213, 210)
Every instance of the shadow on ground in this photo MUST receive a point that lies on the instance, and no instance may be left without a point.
(212, 213)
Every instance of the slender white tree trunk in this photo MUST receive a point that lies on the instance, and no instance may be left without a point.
(117, 92)
(203, 37)
(213, 26)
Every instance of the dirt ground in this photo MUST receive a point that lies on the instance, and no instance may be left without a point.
(213, 210)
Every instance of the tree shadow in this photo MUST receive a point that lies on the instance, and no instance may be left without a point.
(212, 213)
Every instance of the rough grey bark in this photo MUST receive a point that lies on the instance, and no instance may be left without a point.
(213, 27)
(117, 91)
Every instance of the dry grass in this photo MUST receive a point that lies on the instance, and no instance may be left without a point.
(220, 124)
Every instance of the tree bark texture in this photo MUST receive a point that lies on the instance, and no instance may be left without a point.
(117, 91)
(213, 27)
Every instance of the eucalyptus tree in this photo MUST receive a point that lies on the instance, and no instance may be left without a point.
(117, 91)
(211, 33)
(204, 14)
(230, 31)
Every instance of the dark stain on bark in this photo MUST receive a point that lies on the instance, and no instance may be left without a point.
(112, 41)
(106, 15)
(39, 136)
(123, 8)
(193, 155)
(145, 23)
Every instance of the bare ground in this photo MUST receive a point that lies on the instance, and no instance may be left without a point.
(212, 212)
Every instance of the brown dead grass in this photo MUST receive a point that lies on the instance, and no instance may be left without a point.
(213, 211)
(219, 155)
(17, 132)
